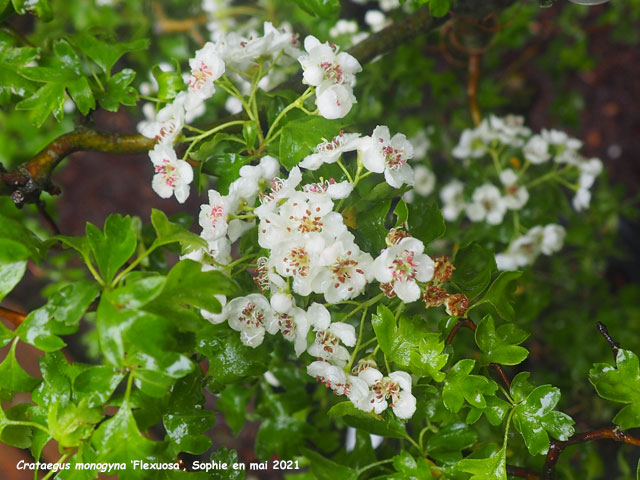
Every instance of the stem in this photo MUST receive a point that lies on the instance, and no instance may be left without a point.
(366, 304)
(344, 169)
(133, 264)
(373, 465)
(14, 317)
(198, 138)
(357, 347)
(295, 104)
(53, 471)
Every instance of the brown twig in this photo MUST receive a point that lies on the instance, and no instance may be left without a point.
(612, 343)
(522, 473)
(557, 446)
(42, 209)
(14, 317)
(472, 87)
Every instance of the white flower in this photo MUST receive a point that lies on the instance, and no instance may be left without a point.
(214, 215)
(552, 238)
(424, 180)
(536, 150)
(206, 67)
(343, 27)
(328, 188)
(298, 258)
(217, 252)
(516, 195)
(294, 327)
(334, 101)
(340, 383)
(396, 388)
(403, 265)
(472, 143)
(216, 317)
(487, 205)
(280, 189)
(172, 176)
(509, 130)
(582, 199)
(255, 177)
(324, 65)
(168, 122)
(251, 316)
(329, 335)
(453, 200)
(346, 271)
(330, 151)
(389, 155)
(376, 20)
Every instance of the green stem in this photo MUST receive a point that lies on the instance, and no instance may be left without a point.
(413, 442)
(53, 470)
(366, 304)
(153, 99)
(346, 172)
(198, 138)
(127, 392)
(295, 104)
(357, 347)
(373, 465)
(133, 264)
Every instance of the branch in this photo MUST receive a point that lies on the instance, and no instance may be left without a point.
(14, 317)
(26, 182)
(556, 447)
(612, 343)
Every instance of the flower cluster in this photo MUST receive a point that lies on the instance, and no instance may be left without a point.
(332, 73)
(508, 140)
(525, 249)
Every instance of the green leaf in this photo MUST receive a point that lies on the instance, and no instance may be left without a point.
(114, 247)
(169, 83)
(501, 346)
(137, 293)
(492, 468)
(187, 285)
(299, 138)
(71, 424)
(426, 222)
(168, 232)
(385, 426)
(12, 230)
(105, 53)
(19, 436)
(372, 227)
(6, 336)
(428, 359)
(97, 384)
(498, 295)
(49, 99)
(118, 91)
(474, 267)
(186, 419)
(325, 469)
(282, 435)
(447, 443)
(12, 376)
(439, 8)
(60, 316)
(229, 360)
(620, 384)
(119, 440)
(384, 326)
(535, 417)
(13, 264)
(459, 386)
(230, 457)
(232, 402)
(41, 8)
(12, 59)
(320, 8)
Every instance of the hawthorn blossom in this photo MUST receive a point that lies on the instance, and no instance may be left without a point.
(525, 249)
(206, 67)
(172, 176)
(214, 215)
(487, 205)
(536, 150)
(346, 271)
(340, 383)
(326, 345)
(218, 252)
(552, 238)
(254, 178)
(168, 122)
(294, 327)
(252, 316)
(298, 258)
(508, 130)
(453, 199)
(393, 390)
(332, 73)
(330, 151)
(380, 153)
(403, 265)
(516, 195)
(280, 190)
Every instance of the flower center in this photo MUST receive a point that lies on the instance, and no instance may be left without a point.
(327, 340)
(199, 76)
(334, 144)
(344, 269)
(385, 388)
(287, 326)
(404, 266)
(215, 214)
(393, 157)
(251, 315)
(333, 71)
(168, 171)
(297, 262)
